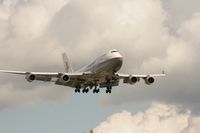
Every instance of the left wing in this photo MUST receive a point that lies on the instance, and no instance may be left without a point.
(131, 79)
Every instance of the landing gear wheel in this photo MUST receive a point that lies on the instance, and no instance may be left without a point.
(85, 90)
(108, 91)
(77, 90)
(78, 87)
(96, 91)
(109, 88)
(96, 88)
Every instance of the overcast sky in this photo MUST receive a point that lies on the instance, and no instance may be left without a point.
(152, 35)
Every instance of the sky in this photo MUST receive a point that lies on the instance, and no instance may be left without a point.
(152, 35)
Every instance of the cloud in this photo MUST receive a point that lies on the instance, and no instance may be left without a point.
(33, 33)
(11, 96)
(152, 47)
(157, 118)
(179, 11)
(23, 43)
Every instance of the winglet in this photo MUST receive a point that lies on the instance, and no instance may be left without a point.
(66, 63)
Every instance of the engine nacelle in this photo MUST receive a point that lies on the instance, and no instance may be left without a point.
(65, 78)
(149, 80)
(30, 77)
(131, 80)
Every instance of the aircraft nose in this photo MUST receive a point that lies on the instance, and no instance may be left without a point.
(118, 55)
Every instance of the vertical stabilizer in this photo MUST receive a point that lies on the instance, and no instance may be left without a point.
(66, 63)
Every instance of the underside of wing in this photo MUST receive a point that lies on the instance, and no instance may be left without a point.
(132, 79)
(66, 79)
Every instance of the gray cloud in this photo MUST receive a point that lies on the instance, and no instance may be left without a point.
(143, 38)
(22, 44)
(181, 62)
(180, 11)
(35, 31)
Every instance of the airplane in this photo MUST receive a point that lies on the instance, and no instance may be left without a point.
(101, 73)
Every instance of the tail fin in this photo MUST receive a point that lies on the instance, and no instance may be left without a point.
(66, 63)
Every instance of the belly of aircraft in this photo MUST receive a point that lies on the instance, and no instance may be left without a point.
(108, 67)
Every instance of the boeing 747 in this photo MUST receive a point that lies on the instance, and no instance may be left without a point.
(101, 73)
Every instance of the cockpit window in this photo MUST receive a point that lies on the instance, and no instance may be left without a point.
(113, 51)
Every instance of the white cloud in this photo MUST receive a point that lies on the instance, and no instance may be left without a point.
(23, 31)
(179, 11)
(190, 29)
(33, 33)
(151, 47)
(159, 118)
(23, 42)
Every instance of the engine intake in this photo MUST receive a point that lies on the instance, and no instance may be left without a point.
(131, 80)
(149, 80)
(65, 78)
(30, 77)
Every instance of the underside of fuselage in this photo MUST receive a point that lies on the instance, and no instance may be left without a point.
(107, 67)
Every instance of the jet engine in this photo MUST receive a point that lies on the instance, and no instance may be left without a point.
(149, 80)
(65, 78)
(30, 77)
(131, 80)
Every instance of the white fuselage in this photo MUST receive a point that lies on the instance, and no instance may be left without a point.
(106, 64)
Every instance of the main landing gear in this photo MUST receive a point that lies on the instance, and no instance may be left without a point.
(77, 90)
(78, 87)
(109, 88)
(85, 90)
(95, 89)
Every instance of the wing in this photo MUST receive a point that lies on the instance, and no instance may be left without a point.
(66, 79)
(131, 79)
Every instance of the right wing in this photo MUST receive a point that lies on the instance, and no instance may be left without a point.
(67, 79)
